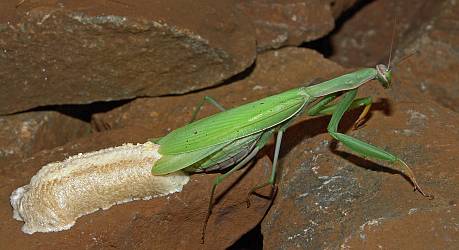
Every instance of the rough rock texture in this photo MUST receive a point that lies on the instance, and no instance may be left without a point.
(328, 198)
(434, 229)
(85, 51)
(23, 134)
(428, 27)
(292, 22)
(434, 70)
(364, 39)
(275, 72)
(172, 222)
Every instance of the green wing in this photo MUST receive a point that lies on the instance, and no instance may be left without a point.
(233, 124)
(171, 163)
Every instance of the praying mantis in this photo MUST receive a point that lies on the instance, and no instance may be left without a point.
(231, 138)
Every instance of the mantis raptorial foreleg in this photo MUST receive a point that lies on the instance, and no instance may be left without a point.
(363, 148)
(321, 108)
(329, 109)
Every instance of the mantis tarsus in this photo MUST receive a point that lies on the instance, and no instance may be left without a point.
(233, 137)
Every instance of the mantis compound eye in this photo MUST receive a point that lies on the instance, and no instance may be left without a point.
(384, 75)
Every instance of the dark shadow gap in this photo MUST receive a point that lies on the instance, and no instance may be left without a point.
(324, 45)
(82, 112)
(252, 240)
(237, 77)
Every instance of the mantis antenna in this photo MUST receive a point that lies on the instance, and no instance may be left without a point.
(392, 43)
(391, 48)
(414, 52)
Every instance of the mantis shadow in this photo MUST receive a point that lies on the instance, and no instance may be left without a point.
(367, 164)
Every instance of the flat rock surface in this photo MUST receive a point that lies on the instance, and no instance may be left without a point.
(172, 222)
(23, 134)
(84, 51)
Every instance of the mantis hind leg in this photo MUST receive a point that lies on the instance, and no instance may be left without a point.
(209, 100)
(261, 143)
(272, 178)
(363, 148)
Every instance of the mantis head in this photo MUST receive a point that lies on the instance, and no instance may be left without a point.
(384, 75)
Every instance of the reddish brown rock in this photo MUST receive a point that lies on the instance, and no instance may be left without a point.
(364, 39)
(275, 71)
(328, 198)
(434, 70)
(281, 23)
(432, 228)
(341, 6)
(172, 222)
(325, 197)
(428, 27)
(23, 134)
(55, 52)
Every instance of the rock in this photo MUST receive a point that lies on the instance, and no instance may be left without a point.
(329, 198)
(341, 6)
(83, 52)
(383, 233)
(23, 134)
(428, 27)
(275, 71)
(433, 71)
(326, 197)
(282, 23)
(172, 222)
(364, 39)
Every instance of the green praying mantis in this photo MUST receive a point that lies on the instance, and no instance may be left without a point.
(233, 137)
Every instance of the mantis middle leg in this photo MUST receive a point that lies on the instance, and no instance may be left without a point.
(260, 144)
(209, 100)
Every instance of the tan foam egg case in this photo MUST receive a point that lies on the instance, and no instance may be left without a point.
(63, 191)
